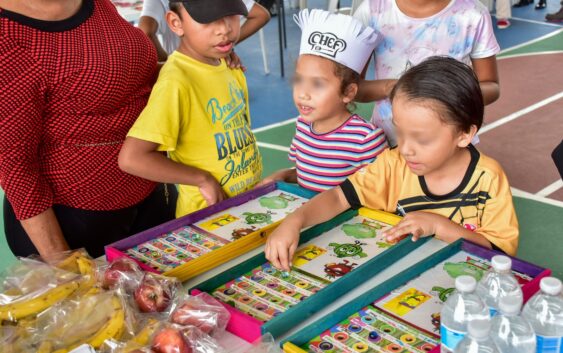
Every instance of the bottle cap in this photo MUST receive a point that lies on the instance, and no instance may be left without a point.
(479, 328)
(465, 283)
(501, 263)
(551, 285)
(510, 305)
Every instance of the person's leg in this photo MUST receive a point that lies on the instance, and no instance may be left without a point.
(503, 13)
(556, 16)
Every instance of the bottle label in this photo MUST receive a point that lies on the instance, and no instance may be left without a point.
(547, 344)
(450, 338)
(492, 311)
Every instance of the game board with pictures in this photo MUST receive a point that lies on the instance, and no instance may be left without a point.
(420, 301)
(236, 222)
(333, 257)
(189, 242)
(266, 292)
(197, 242)
(371, 330)
(396, 315)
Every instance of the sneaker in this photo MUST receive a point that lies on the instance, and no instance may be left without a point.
(503, 23)
(523, 3)
(541, 5)
(555, 17)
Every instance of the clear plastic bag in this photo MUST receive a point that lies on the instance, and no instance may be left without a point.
(155, 293)
(202, 311)
(265, 344)
(123, 272)
(184, 339)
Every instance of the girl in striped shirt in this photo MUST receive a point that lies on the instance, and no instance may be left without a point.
(330, 142)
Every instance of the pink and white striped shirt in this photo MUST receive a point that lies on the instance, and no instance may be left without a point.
(325, 160)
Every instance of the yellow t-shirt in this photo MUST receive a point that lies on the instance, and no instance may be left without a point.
(199, 114)
(482, 202)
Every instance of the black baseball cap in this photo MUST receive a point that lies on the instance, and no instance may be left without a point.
(207, 11)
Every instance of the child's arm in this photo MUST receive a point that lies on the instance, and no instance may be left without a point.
(142, 158)
(423, 224)
(487, 74)
(288, 175)
(257, 17)
(281, 244)
(373, 90)
(149, 26)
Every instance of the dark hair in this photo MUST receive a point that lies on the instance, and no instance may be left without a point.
(450, 83)
(347, 77)
(175, 7)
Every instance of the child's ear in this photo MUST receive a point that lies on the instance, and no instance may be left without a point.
(175, 23)
(350, 93)
(465, 138)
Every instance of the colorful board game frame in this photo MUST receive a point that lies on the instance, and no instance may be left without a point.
(294, 343)
(218, 256)
(250, 328)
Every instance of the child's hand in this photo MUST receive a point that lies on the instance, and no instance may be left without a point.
(233, 61)
(211, 191)
(418, 223)
(281, 245)
(287, 175)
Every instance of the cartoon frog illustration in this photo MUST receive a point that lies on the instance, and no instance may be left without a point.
(257, 218)
(463, 268)
(354, 251)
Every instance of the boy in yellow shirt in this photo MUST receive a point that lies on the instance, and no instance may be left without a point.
(197, 112)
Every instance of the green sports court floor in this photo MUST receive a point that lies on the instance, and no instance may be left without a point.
(527, 98)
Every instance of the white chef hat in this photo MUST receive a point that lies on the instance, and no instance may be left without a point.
(338, 37)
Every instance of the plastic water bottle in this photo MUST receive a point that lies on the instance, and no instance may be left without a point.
(544, 311)
(499, 282)
(462, 306)
(477, 339)
(511, 332)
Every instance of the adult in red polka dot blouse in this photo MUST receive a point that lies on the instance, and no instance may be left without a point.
(74, 76)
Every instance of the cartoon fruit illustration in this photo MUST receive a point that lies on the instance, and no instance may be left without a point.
(348, 250)
(359, 231)
(241, 232)
(463, 268)
(257, 218)
(273, 202)
(443, 293)
(334, 270)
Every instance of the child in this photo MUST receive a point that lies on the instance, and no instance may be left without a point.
(153, 23)
(197, 112)
(415, 30)
(330, 143)
(446, 187)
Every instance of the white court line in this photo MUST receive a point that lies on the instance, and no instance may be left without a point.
(554, 33)
(272, 146)
(274, 125)
(520, 113)
(545, 23)
(550, 189)
(531, 54)
(530, 196)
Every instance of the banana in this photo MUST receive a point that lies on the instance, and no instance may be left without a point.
(114, 328)
(45, 347)
(20, 309)
(86, 268)
(145, 334)
(69, 264)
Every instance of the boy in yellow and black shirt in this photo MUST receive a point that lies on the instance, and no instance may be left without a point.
(198, 112)
(441, 184)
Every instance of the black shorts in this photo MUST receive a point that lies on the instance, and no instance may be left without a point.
(93, 230)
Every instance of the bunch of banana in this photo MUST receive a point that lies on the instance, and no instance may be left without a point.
(113, 328)
(19, 309)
